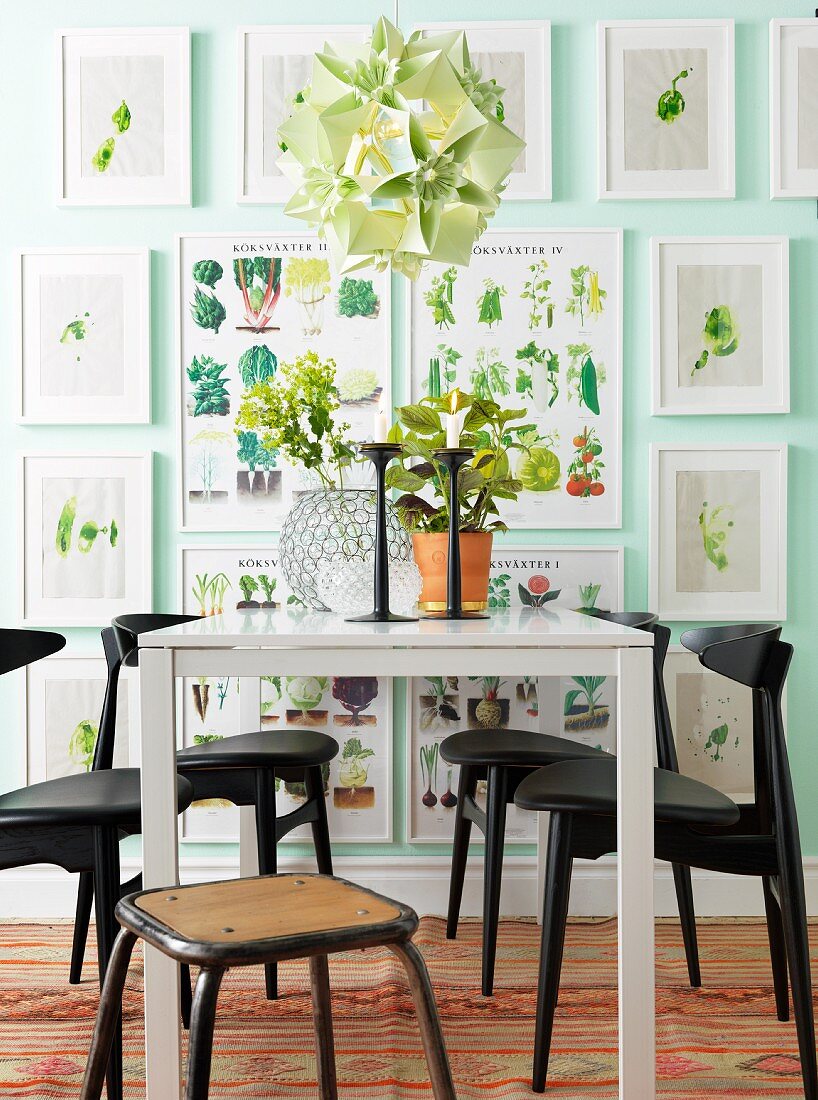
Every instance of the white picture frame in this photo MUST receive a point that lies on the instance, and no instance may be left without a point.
(700, 568)
(370, 821)
(257, 181)
(701, 163)
(793, 87)
(530, 38)
(99, 69)
(101, 505)
(94, 361)
(62, 691)
(227, 502)
(506, 256)
(702, 277)
(513, 564)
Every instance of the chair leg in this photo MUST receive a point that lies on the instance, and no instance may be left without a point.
(431, 1034)
(493, 870)
(203, 1019)
(322, 1020)
(466, 787)
(778, 951)
(687, 917)
(110, 1010)
(314, 784)
(106, 896)
(185, 995)
(555, 916)
(267, 851)
(82, 919)
(794, 914)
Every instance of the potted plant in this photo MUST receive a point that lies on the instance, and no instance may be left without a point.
(296, 414)
(423, 482)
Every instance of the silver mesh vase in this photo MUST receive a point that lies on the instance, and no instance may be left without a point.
(333, 523)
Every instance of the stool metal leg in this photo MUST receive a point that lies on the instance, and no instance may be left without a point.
(110, 1008)
(434, 1047)
(496, 805)
(322, 1018)
(202, 1022)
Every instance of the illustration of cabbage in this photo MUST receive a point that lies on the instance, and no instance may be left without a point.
(207, 272)
(720, 335)
(306, 692)
(671, 102)
(539, 470)
(357, 384)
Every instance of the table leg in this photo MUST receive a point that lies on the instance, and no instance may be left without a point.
(160, 866)
(637, 1009)
(249, 720)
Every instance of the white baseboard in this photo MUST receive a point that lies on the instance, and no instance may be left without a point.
(43, 892)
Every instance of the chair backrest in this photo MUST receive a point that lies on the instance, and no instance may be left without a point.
(754, 655)
(646, 620)
(127, 627)
(23, 647)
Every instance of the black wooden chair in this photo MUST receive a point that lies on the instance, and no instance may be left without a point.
(244, 922)
(75, 822)
(242, 768)
(695, 827)
(504, 757)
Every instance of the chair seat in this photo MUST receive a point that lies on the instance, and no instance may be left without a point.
(589, 787)
(264, 748)
(252, 919)
(516, 748)
(105, 798)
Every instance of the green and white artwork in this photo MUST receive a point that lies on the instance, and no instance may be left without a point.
(64, 696)
(718, 532)
(712, 720)
(248, 304)
(794, 103)
(534, 323)
(122, 122)
(721, 325)
(356, 711)
(666, 109)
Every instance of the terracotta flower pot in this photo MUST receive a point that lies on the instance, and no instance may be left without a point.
(432, 555)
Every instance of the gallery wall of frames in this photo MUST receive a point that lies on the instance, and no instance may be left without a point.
(646, 294)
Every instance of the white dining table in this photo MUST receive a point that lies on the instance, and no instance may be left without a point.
(525, 642)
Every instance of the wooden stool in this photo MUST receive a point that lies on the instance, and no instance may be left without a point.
(253, 921)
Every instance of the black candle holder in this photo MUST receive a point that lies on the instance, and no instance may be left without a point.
(380, 455)
(453, 458)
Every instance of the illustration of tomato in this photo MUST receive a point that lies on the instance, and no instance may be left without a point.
(538, 584)
(575, 486)
(597, 489)
(587, 456)
(579, 440)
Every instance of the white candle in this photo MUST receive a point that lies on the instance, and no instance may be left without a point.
(453, 424)
(380, 427)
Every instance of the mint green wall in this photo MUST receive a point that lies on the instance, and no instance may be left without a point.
(29, 217)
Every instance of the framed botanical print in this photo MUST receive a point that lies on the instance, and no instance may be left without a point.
(718, 541)
(793, 108)
(123, 133)
(720, 325)
(64, 697)
(274, 65)
(581, 577)
(535, 323)
(517, 55)
(85, 537)
(245, 302)
(666, 109)
(83, 335)
(356, 711)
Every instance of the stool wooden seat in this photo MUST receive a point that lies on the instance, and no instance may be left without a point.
(253, 921)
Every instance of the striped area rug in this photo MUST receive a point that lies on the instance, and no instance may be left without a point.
(721, 1041)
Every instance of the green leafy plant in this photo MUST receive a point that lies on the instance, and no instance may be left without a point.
(715, 525)
(490, 311)
(207, 738)
(297, 417)
(209, 592)
(259, 280)
(207, 272)
(268, 585)
(307, 279)
(75, 330)
(65, 526)
(589, 688)
(541, 381)
(248, 586)
(588, 595)
(439, 382)
(586, 299)
(209, 395)
(121, 117)
(489, 377)
(257, 364)
(536, 291)
(356, 298)
(353, 772)
(671, 102)
(440, 297)
(720, 336)
(716, 740)
(206, 310)
(102, 158)
(584, 377)
(585, 469)
(488, 429)
(83, 742)
(499, 592)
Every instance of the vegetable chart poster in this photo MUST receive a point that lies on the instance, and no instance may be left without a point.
(535, 323)
(356, 711)
(246, 304)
